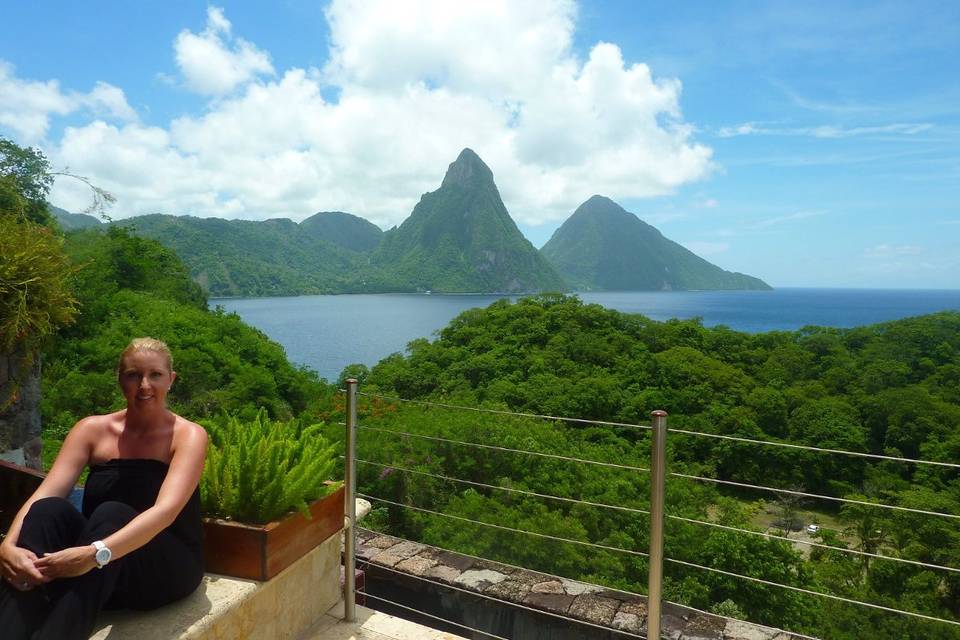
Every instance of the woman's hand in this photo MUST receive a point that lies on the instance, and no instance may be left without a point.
(67, 563)
(18, 567)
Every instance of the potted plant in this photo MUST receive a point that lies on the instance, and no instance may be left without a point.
(267, 496)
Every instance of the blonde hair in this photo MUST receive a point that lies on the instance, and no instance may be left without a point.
(146, 344)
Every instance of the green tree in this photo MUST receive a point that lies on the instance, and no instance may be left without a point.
(29, 171)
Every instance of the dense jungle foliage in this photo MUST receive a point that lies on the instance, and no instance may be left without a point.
(129, 286)
(247, 258)
(891, 389)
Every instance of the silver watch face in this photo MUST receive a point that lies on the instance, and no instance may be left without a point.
(103, 556)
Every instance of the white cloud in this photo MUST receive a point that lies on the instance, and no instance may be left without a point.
(904, 128)
(26, 106)
(745, 129)
(217, 21)
(707, 248)
(214, 63)
(891, 251)
(106, 99)
(494, 48)
(415, 83)
(799, 215)
(824, 131)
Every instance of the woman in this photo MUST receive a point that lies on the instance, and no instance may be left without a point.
(137, 543)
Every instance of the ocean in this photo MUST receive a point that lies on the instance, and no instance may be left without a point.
(326, 333)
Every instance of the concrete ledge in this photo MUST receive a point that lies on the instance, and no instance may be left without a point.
(225, 608)
(189, 618)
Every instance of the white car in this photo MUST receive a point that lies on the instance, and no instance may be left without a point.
(813, 528)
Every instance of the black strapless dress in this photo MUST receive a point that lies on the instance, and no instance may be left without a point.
(167, 568)
(170, 566)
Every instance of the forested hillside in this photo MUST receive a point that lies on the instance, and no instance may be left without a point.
(250, 258)
(344, 230)
(129, 286)
(891, 389)
(604, 247)
(73, 221)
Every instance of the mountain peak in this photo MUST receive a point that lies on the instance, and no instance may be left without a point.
(602, 246)
(461, 239)
(599, 204)
(468, 169)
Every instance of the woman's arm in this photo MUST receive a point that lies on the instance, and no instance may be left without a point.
(16, 563)
(186, 466)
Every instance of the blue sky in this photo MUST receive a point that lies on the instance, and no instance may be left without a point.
(809, 144)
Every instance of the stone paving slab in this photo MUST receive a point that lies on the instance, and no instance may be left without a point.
(371, 625)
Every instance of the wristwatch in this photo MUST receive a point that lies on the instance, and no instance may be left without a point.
(103, 554)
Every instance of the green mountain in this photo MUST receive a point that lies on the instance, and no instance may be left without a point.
(247, 258)
(460, 238)
(71, 221)
(344, 230)
(604, 247)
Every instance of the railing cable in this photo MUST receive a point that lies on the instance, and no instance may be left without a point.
(497, 448)
(503, 528)
(715, 525)
(367, 594)
(788, 445)
(810, 592)
(815, 495)
(501, 601)
(606, 423)
(506, 489)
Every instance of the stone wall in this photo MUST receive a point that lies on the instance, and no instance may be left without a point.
(548, 607)
(20, 414)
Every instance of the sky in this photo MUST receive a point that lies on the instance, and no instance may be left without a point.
(809, 144)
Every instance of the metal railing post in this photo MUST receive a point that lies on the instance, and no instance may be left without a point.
(658, 454)
(350, 506)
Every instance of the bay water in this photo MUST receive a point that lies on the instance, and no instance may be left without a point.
(326, 333)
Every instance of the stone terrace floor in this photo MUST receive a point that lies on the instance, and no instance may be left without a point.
(371, 625)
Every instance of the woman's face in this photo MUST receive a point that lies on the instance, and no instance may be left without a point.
(145, 379)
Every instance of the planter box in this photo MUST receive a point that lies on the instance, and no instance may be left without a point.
(17, 484)
(259, 552)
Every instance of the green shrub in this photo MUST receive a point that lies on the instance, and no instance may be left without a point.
(259, 470)
(35, 297)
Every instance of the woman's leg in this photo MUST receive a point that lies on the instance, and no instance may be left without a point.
(51, 524)
(20, 611)
(77, 601)
(160, 572)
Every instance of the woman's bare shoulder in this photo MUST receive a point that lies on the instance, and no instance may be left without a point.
(188, 433)
(97, 425)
